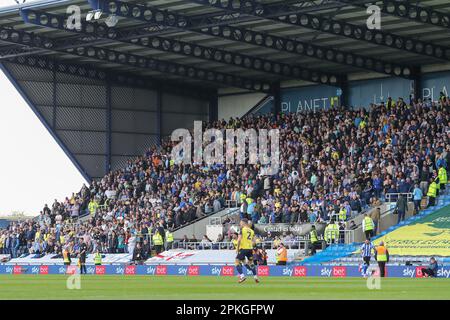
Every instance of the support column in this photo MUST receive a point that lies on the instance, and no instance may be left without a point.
(344, 99)
(55, 67)
(417, 87)
(108, 127)
(214, 107)
(276, 98)
(159, 94)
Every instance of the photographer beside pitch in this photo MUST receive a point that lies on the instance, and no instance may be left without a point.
(432, 269)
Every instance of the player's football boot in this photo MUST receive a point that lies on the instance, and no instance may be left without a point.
(242, 279)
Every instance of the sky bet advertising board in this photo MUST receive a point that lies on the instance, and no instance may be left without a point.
(220, 270)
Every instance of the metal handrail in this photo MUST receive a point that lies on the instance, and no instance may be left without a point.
(230, 201)
(293, 244)
(196, 220)
(219, 220)
(349, 236)
(389, 196)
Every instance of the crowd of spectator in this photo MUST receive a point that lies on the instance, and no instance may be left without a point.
(333, 163)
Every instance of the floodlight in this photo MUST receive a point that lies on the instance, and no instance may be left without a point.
(89, 15)
(112, 20)
(98, 14)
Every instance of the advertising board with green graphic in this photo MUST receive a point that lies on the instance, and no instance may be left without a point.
(427, 236)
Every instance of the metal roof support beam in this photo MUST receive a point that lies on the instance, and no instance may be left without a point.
(54, 100)
(150, 15)
(345, 95)
(407, 9)
(131, 60)
(214, 108)
(120, 79)
(173, 46)
(108, 127)
(417, 86)
(159, 96)
(336, 27)
(276, 99)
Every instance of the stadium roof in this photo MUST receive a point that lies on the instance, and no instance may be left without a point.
(246, 44)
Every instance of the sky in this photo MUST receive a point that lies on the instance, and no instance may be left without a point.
(34, 169)
(7, 3)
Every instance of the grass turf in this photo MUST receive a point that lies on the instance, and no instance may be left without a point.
(218, 288)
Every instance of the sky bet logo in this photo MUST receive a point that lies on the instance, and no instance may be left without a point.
(443, 273)
(130, 270)
(158, 270)
(339, 272)
(150, 270)
(287, 271)
(228, 271)
(17, 270)
(119, 270)
(263, 271)
(193, 271)
(43, 270)
(300, 271)
(71, 270)
(409, 272)
(216, 271)
(100, 269)
(35, 270)
(182, 271)
(325, 272)
(161, 270)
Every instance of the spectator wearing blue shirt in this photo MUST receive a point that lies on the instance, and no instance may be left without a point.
(251, 212)
(313, 217)
(417, 197)
(392, 189)
(441, 162)
(404, 186)
(377, 185)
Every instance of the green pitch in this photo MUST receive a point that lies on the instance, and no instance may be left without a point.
(221, 288)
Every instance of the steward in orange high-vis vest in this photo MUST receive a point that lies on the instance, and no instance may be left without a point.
(281, 255)
(382, 256)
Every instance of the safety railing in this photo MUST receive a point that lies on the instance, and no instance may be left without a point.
(339, 236)
(294, 244)
(221, 219)
(231, 203)
(393, 197)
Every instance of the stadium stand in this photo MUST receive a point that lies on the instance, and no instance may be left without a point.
(411, 241)
(335, 163)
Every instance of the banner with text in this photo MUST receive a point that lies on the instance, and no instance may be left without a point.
(429, 236)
